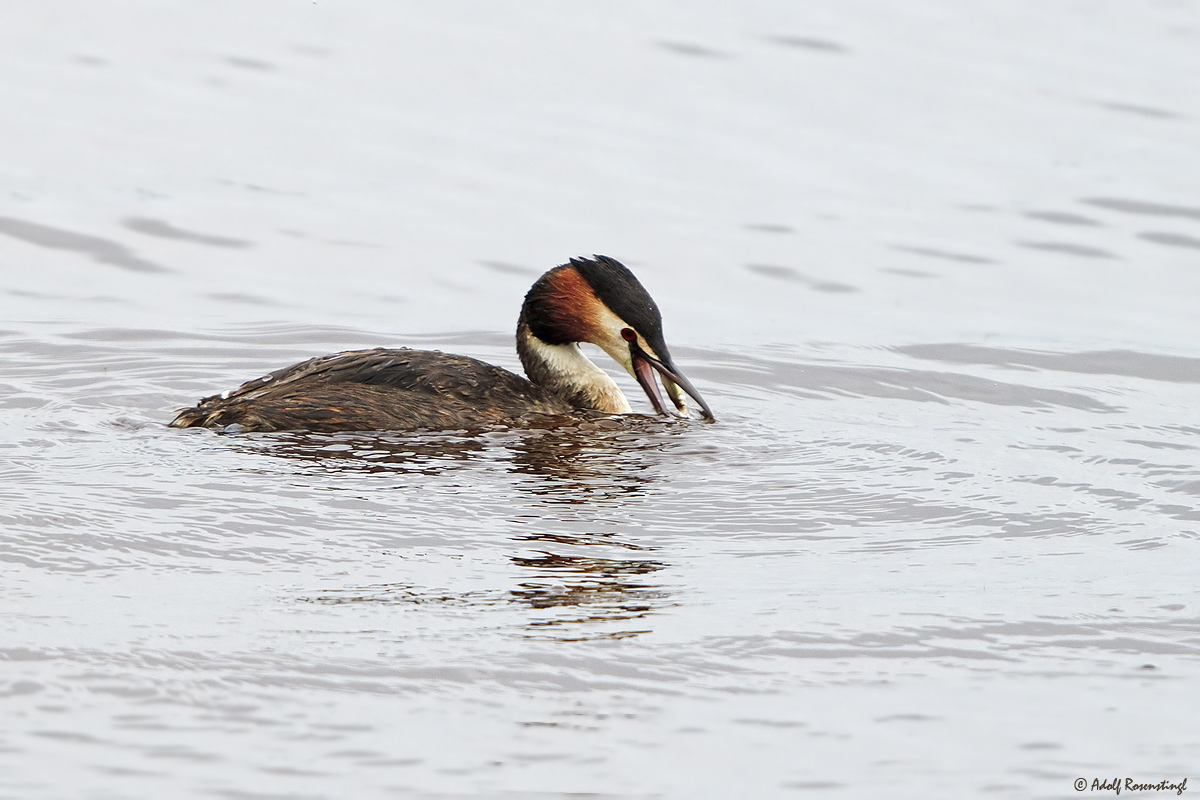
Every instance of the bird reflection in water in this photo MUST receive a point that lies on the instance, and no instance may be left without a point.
(606, 459)
(572, 464)
(366, 453)
(569, 597)
(580, 590)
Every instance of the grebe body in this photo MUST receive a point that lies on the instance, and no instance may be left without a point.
(596, 300)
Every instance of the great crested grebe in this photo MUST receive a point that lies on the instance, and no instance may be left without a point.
(595, 300)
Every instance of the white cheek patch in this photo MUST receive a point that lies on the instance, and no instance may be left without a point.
(610, 340)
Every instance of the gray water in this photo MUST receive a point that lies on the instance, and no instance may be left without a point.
(934, 265)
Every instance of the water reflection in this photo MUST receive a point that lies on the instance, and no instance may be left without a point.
(1142, 207)
(582, 589)
(809, 379)
(165, 230)
(105, 251)
(1123, 363)
(572, 585)
(572, 464)
(570, 598)
(606, 459)
(364, 453)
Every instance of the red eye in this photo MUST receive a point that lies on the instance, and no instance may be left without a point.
(629, 334)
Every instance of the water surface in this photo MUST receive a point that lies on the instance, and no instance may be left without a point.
(933, 267)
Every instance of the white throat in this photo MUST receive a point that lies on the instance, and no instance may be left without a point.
(566, 370)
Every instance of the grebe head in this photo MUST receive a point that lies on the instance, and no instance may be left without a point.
(598, 300)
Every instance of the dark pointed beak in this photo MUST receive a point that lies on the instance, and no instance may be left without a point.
(644, 366)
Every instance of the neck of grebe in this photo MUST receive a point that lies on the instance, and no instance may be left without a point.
(565, 371)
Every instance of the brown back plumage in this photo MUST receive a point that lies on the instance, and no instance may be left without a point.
(376, 389)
